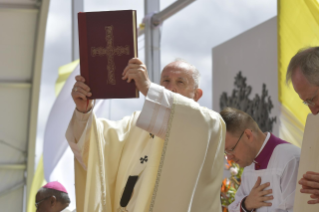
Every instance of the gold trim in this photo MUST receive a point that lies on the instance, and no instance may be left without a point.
(101, 165)
(137, 94)
(160, 167)
(134, 33)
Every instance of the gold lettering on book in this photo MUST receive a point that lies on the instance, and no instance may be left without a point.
(110, 51)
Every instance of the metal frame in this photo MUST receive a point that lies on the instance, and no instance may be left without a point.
(158, 18)
(16, 84)
(152, 42)
(35, 92)
(13, 166)
(77, 6)
(153, 34)
(19, 6)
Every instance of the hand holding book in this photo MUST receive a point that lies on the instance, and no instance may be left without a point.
(135, 70)
(80, 94)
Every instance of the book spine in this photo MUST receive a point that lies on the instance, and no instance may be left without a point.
(134, 33)
(83, 42)
(137, 94)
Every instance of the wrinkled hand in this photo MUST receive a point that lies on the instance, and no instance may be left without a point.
(80, 92)
(257, 196)
(136, 70)
(310, 185)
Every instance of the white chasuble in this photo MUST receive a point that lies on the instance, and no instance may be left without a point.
(111, 153)
(181, 172)
(191, 168)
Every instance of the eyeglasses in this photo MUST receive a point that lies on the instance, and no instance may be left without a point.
(309, 102)
(37, 203)
(229, 152)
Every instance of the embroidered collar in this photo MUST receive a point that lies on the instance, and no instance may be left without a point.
(262, 159)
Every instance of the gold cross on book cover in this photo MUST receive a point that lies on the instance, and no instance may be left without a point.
(108, 40)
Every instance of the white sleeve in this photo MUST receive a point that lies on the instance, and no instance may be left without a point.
(156, 110)
(288, 185)
(77, 133)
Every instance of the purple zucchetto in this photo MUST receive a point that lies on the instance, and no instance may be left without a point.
(55, 185)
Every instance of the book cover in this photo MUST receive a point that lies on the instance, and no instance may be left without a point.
(309, 158)
(108, 40)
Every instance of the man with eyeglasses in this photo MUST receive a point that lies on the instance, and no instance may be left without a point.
(269, 178)
(52, 197)
(303, 72)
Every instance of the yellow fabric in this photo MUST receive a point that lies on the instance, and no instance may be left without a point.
(191, 159)
(290, 128)
(64, 73)
(298, 27)
(37, 182)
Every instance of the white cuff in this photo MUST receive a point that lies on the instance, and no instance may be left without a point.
(82, 116)
(77, 153)
(80, 125)
(156, 110)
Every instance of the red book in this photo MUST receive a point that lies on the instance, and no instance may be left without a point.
(108, 40)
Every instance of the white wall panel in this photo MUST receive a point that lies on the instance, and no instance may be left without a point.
(9, 155)
(254, 53)
(13, 201)
(14, 117)
(17, 37)
(9, 179)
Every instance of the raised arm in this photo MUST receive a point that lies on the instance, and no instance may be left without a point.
(78, 126)
(79, 130)
(80, 92)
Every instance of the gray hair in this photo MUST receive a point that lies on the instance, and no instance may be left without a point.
(59, 195)
(196, 75)
(308, 61)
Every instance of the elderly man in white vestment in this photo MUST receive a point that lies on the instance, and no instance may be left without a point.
(268, 182)
(303, 72)
(168, 157)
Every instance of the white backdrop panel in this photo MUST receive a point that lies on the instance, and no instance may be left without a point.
(14, 121)
(254, 53)
(10, 178)
(13, 201)
(17, 38)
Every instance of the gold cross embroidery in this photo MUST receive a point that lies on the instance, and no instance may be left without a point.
(110, 51)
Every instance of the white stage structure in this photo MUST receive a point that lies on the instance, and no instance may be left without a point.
(23, 24)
